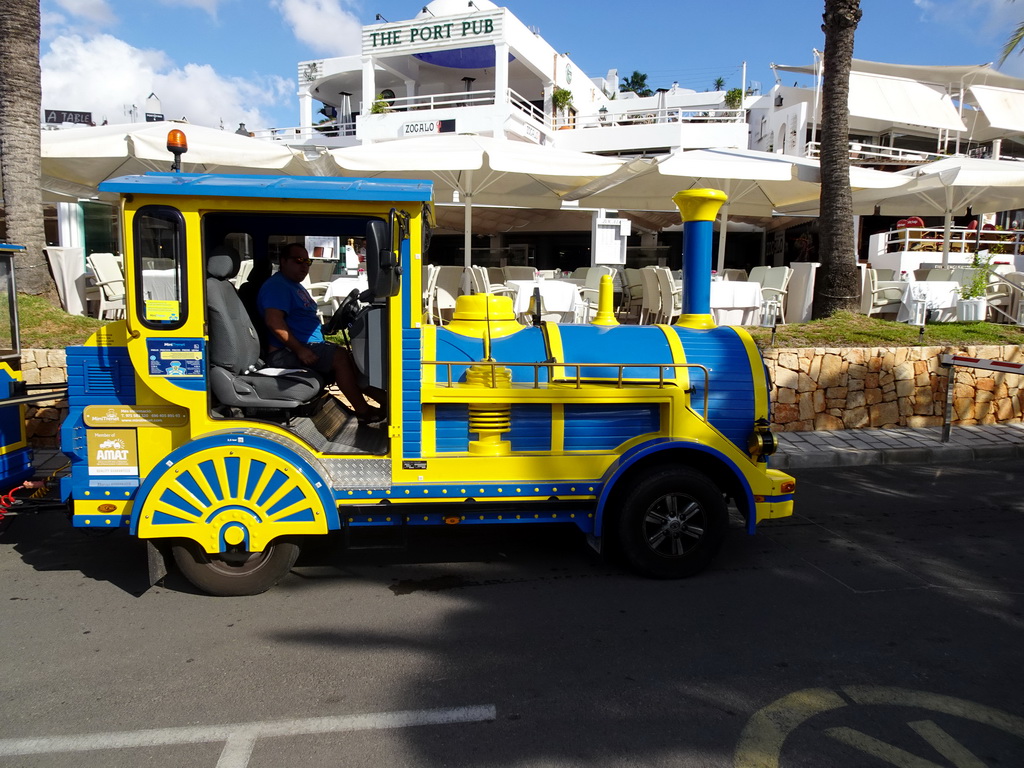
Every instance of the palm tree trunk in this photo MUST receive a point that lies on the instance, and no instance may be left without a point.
(19, 142)
(836, 286)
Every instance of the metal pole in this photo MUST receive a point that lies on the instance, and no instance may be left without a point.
(947, 417)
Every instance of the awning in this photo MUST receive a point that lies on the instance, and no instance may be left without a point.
(1003, 107)
(900, 101)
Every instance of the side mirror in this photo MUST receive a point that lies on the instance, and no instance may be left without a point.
(383, 270)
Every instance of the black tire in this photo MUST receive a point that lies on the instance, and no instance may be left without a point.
(242, 573)
(672, 523)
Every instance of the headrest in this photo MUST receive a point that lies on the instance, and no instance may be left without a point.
(222, 262)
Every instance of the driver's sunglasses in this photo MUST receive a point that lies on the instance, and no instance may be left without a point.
(302, 261)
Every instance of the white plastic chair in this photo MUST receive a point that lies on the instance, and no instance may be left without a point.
(110, 281)
(429, 290)
(757, 274)
(591, 292)
(446, 290)
(773, 289)
(650, 305)
(881, 300)
(633, 292)
(519, 273)
(671, 297)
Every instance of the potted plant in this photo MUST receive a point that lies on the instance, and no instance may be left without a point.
(972, 304)
(561, 98)
(381, 105)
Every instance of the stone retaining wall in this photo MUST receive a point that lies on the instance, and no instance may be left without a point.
(43, 419)
(877, 387)
(813, 389)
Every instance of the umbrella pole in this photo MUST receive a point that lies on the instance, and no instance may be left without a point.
(723, 228)
(468, 238)
(947, 230)
(467, 201)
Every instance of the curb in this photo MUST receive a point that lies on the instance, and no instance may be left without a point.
(948, 453)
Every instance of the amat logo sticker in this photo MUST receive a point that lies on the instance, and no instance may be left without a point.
(113, 452)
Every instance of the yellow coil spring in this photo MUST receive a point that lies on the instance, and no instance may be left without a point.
(489, 418)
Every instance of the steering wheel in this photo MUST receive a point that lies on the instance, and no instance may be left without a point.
(344, 315)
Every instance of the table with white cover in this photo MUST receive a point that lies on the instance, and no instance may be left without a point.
(158, 285)
(558, 296)
(341, 287)
(733, 302)
(939, 295)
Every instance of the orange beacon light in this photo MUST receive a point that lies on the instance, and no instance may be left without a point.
(177, 144)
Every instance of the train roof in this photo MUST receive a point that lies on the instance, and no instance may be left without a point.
(287, 187)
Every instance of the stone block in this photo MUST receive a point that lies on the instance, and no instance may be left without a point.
(832, 371)
(903, 372)
(884, 415)
(872, 396)
(856, 400)
(826, 422)
(857, 371)
(789, 360)
(786, 396)
(785, 378)
(53, 376)
(805, 383)
(785, 414)
(920, 422)
(30, 376)
(806, 407)
(856, 418)
(56, 358)
(905, 387)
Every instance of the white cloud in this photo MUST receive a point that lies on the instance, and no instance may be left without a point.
(323, 25)
(210, 6)
(95, 11)
(105, 75)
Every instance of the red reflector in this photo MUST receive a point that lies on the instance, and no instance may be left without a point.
(452, 520)
(788, 487)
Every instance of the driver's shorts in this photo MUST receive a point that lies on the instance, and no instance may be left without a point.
(285, 358)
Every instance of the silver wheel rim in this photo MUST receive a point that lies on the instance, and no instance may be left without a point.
(674, 525)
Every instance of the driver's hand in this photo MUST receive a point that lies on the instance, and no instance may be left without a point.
(307, 357)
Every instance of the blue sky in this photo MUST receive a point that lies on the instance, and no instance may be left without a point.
(229, 61)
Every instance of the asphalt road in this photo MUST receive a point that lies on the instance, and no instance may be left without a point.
(881, 626)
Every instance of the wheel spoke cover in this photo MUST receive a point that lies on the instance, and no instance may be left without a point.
(674, 525)
(235, 498)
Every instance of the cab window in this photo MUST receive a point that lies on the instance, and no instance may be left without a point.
(160, 276)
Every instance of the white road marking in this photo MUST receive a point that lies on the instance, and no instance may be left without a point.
(240, 738)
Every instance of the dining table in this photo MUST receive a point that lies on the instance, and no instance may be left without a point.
(341, 287)
(559, 296)
(733, 302)
(938, 296)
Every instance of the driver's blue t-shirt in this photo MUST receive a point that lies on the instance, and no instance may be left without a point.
(299, 308)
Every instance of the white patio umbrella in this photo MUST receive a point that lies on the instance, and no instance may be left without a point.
(757, 183)
(949, 187)
(480, 169)
(76, 160)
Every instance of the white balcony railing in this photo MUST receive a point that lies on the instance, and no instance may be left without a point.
(650, 117)
(875, 153)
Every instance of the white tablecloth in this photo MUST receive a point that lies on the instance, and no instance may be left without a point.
(735, 302)
(68, 267)
(558, 295)
(342, 286)
(940, 295)
(158, 284)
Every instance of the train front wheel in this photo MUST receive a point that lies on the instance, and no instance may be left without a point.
(235, 573)
(672, 523)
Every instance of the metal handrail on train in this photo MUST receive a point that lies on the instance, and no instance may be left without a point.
(620, 380)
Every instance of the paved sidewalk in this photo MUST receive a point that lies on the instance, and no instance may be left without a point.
(843, 448)
(861, 447)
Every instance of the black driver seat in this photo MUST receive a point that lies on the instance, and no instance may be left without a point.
(237, 375)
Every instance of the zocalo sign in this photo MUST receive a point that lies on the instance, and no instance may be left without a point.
(428, 127)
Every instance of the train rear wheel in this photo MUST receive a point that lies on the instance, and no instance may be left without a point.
(235, 573)
(672, 524)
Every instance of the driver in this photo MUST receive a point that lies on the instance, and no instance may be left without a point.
(295, 339)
